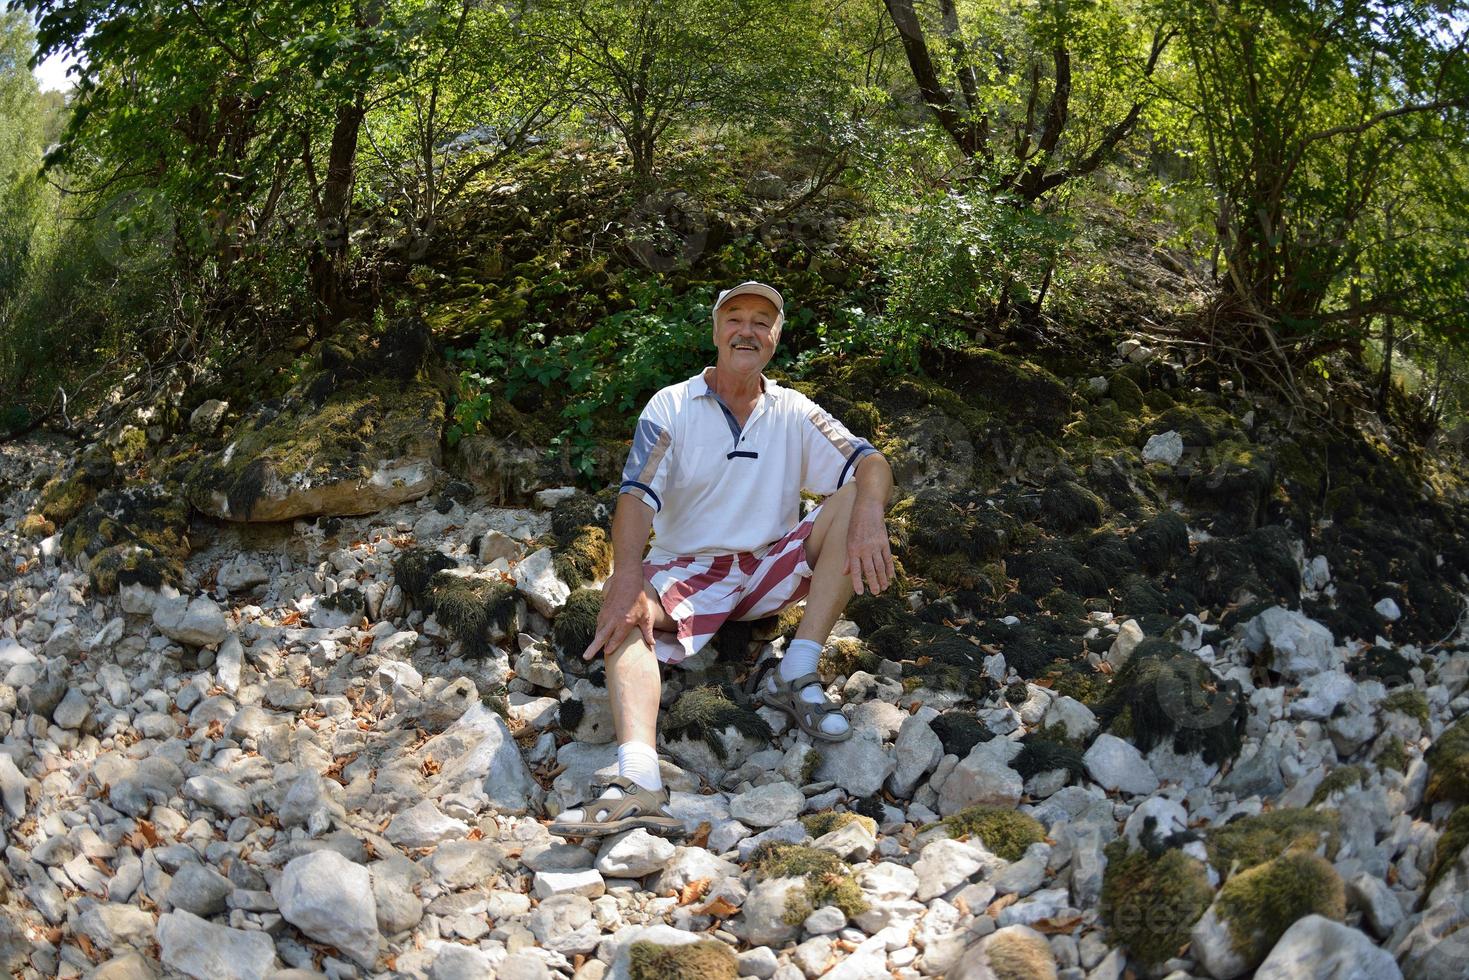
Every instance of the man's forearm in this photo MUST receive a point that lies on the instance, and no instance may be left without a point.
(631, 524)
(874, 481)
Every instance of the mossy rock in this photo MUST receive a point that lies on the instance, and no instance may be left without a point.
(64, 496)
(705, 712)
(414, 568)
(359, 434)
(1159, 542)
(1068, 506)
(576, 624)
(1055, 565)
(1261, 903)
(821, 824)
(1451, 844)
(1150, 904)
(1448, 765)
(1339, 780)
(707, 959)
(1038, 755)
(828, 880)
(1004, 831)
(1407, 701)
(34, 525)
(1249, 841)
(844, 656)
(1172, 695)
(946, 661)
(474, 609)
(1012, 388)
(959, 732)
(587, 557)
(1125, 392)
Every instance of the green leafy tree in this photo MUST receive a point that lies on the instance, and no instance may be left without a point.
(22, 122)
(1328, 131)
(642, 67)
(1034, 97)
(477, 92)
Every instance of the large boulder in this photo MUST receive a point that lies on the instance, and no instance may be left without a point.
(359, 434)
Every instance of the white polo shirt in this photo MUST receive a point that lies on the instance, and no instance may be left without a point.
(717, 488)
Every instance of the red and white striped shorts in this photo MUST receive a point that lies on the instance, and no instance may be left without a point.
(699, 594)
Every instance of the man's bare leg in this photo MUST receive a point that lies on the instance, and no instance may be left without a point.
(635, 687)
(827, 596)
(830, 588)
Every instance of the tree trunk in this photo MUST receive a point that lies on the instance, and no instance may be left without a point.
(1384, 378)
(329, 250)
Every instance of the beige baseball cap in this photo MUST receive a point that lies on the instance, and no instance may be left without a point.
(750, 286)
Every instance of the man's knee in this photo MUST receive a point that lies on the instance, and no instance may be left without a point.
(835, 510)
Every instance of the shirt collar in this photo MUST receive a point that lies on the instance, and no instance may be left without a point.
(702, 388)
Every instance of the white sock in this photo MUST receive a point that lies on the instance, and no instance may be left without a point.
(638, 761)
(801, 658)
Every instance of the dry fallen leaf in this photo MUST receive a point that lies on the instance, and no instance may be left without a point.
(720, 908)
(693, 891)
(1001, 903)
(700, 837)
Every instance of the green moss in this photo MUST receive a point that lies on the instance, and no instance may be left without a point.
(1013, 955)
(1125, 392)
(1173, 695)
(1260, 904)
(471, 608)
(1067, 506)
(1040, 755)
(845, 656)
(576, 512)
(1339, 779)
(1407, 701)
(708, 959)
(1394, 755)
(809, 765)
(576, 623)
(959, 732)
(705, 712)
(132, 564)
(1448, 765)
(821, 824)
(414, 567)
(1451, 844)
(827, 879)
(34, 525)
(1004, 831)
(131, 446)
(381, 402)
(586, 558)
(1251, 841)
(1150, 904)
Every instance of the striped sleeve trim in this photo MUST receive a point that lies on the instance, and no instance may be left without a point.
(864, 449)
(643, 492)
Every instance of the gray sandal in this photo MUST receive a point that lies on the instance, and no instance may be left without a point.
(637, 807)
(787, 697)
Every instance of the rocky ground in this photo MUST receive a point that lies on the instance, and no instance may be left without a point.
(301, 761)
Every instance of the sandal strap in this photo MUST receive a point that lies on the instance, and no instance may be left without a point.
(801, 682)
(814, 710)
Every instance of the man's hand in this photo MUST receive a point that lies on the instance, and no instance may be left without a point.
(868, 554)
(625, 606)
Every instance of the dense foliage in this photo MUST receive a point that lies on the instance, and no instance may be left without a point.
(229, 180)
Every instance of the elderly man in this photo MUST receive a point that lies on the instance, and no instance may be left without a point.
(716, 469)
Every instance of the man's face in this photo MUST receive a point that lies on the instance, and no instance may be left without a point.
(745, 333)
